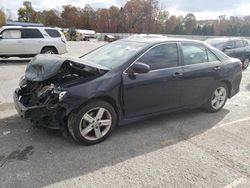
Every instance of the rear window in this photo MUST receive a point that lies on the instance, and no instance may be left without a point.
(11, 34)
(53, 33)
(31, 33)
(194, 54)
(239, 44)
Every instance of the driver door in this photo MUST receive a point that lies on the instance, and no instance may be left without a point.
(230, 48)
(157, 90)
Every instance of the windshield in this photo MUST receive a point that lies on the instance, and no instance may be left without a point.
(114, 54)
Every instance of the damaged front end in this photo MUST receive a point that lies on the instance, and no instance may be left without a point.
(45, 84)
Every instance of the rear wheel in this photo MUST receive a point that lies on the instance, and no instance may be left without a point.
(48, 50)
(217, 98)
(93, 123)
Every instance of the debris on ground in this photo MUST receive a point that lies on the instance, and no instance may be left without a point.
(6, 133)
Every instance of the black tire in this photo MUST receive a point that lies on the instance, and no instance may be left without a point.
(49, 50)
(245, 62)
(208, 106)
(75, 119)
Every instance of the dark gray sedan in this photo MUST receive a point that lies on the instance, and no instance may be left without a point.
(125, 81)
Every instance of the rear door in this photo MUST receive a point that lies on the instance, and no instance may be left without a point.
(33, 40)
(11, 42)
(202, 69)
(158, 89)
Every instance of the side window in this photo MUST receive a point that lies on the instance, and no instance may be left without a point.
(53, 33)
(211, 56)
(11, 34)
(239, 44)
(194, 54)
(246, 43)
(230, 44)
(31, 33)
(162, 56)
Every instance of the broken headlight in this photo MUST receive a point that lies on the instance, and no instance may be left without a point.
(22, 81)
(61, 95)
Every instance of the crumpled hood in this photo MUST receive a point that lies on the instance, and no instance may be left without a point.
(43, 67)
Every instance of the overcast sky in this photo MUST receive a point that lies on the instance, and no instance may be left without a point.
(203, 9)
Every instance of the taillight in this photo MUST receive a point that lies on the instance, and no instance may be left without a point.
(241, 66)
(63, 40)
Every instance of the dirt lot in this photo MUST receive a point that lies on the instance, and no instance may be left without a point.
(187, 149)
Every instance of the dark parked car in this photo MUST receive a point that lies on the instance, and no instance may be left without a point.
(233, 47)
(124, 81)
(109, 38)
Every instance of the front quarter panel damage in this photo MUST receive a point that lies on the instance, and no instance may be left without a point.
(46, 78)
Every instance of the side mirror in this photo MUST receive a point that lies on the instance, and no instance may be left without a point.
(227, 48)
(139, 68)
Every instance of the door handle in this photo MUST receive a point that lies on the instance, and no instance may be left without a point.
(217, 68)
(177, 74)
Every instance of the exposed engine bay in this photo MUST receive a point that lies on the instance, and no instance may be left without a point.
(44, 82)
(46, 92)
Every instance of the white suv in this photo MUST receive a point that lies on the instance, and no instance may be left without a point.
(21, 41)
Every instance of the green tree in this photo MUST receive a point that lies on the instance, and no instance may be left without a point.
(108, 20)
(171, 24)
(114, 19)
(71, 17)
(27, 13)
(162, 17)
(190, 23)
(136, 16)
(103, 20)
(198, 31)
(180, 26)
(140, 15)
(90, 17)
(50, 18)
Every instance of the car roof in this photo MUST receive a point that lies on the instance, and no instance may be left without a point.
(163, 39)
(28, 27)
(160, 39)
(226, 38)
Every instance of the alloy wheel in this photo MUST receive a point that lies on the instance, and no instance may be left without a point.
(49, 52)
(219, 98)
(95, 123)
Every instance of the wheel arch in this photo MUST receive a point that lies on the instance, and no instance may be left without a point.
(49, 46)
(109, 100)
(229, 87)
(105, 98)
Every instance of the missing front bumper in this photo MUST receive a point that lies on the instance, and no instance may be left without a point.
(40, 115)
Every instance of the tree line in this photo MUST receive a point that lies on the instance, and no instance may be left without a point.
(136, 16)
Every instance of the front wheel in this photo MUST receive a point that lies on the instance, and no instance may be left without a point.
(93, 123)
(217, 98)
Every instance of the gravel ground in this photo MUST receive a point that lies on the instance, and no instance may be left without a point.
(186, 149)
